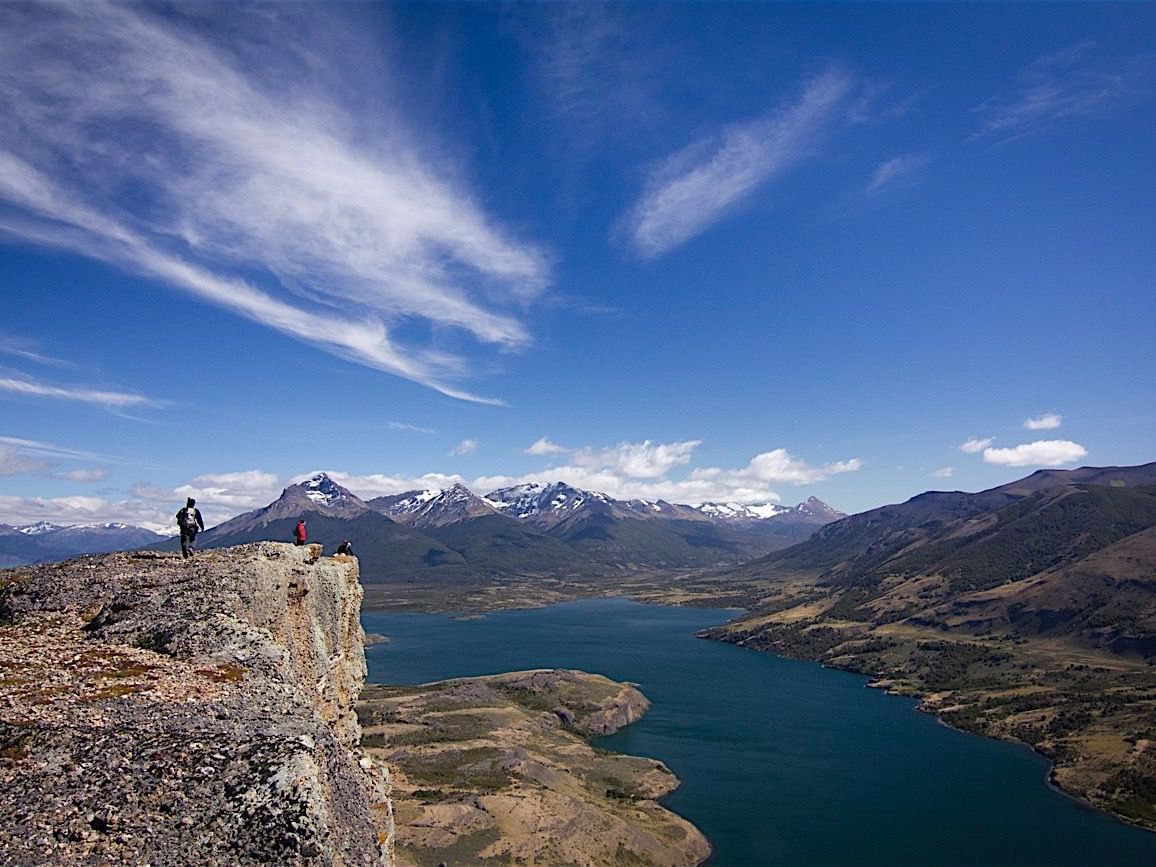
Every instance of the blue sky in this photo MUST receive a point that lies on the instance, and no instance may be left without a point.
(718, 251)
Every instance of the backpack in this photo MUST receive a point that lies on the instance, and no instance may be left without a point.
(188, 520)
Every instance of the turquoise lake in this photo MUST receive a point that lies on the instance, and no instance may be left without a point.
(781, 762)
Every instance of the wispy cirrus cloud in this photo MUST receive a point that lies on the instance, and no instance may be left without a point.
(400, 425)
(465, 447)
(944, 473)
(896, 168)
(696, 187)
(14, 462)
(99, 397)
(588, 66)
(975, 445)
(1071, 83)
(257, 193)
(21, 457)
(1047, 421)
(29, 350)
(1042, 453)
(86, 475)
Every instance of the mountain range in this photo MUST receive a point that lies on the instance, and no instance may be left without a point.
(43, 542)
(529, 530)
(1058, 553)
(1025, 612)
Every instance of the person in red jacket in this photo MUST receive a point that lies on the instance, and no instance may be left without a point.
(299, 533)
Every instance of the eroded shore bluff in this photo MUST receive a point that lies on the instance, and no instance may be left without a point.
(163, 712)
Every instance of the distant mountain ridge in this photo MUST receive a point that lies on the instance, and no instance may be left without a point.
(546, 529)
(43, 542)
(993, 559)
(552, 530)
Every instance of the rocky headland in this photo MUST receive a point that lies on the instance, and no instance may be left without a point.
(167, 712)
(499, 770)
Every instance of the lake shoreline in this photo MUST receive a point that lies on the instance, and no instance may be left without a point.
(880, 681)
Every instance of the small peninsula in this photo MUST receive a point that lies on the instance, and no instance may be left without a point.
(498, 769)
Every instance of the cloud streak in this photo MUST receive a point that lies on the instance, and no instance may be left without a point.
(698, 186)
(97, 397)
(895, 169)
(975, 445)
(340, 242)
(1066, 84)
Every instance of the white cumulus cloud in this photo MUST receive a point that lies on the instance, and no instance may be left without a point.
(232, 492)
(1042, 453)
(543, 446)
(1048, 421)
(944, 473)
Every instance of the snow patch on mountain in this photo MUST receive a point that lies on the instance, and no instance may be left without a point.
(323, 490)
(535, 498)
(741, 511)
(39, 527)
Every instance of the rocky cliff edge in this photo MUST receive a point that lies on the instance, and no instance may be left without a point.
(167, 712)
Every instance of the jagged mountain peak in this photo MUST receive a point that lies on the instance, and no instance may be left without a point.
(318, 493)
(538, 498)
(39, 527)
(322, 489)
(813, 507)
(434, 508)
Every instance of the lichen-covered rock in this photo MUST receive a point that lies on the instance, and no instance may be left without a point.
(168, 712)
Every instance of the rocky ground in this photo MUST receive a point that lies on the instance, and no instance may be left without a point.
(167, 712)
(498, 770)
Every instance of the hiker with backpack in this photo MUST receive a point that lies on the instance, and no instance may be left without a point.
(190, 521)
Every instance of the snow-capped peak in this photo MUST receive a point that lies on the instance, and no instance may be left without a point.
(536, 498)
(434, 508)
(323, 490)
(38, 528)
(741, 511)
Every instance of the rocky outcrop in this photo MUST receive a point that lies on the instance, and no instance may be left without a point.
(168, 712)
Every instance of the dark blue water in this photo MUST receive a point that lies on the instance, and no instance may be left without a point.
(781, 762)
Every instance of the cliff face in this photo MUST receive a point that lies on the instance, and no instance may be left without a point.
(167, 712)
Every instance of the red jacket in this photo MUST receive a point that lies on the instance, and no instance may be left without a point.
(299, 532)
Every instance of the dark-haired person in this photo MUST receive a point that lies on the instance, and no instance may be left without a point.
(190, 521)
(299, 533)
